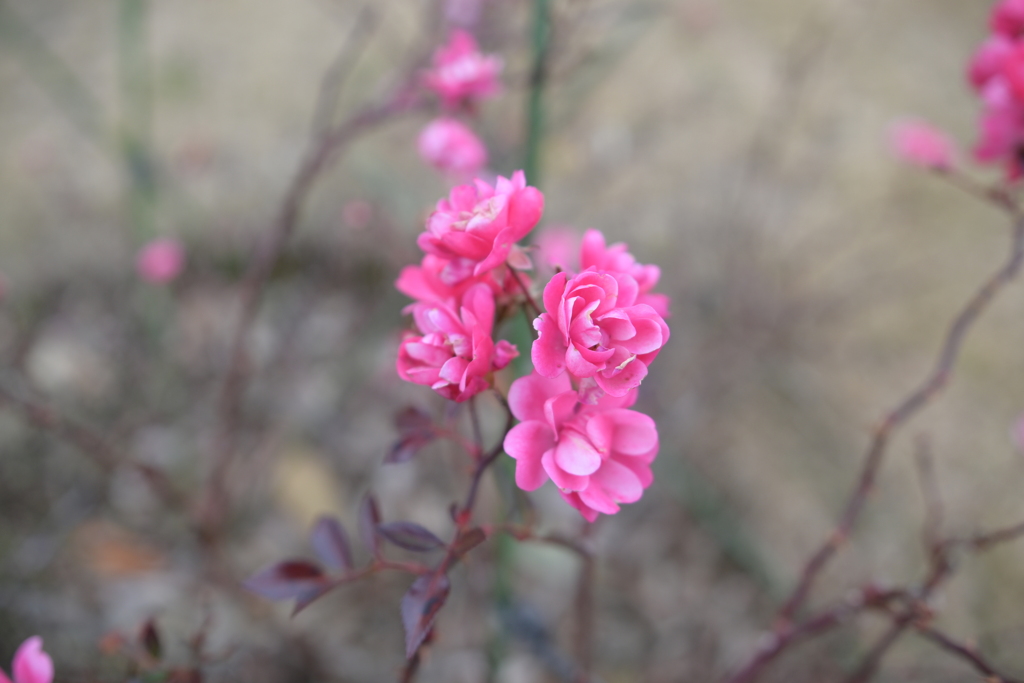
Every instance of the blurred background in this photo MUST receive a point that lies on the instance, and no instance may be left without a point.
(738, 144)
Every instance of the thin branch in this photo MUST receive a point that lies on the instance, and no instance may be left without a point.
(933, 383)
(87, 440)
(930, 492)
(986, 541)
(964, 652)
(583, 607)
(526, 291)
(485, 462)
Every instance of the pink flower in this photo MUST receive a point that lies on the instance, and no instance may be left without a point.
(1008, 18)
(160, 261)
(988, 60)
(461, 71)
(919, 144)
(593, 328)
(455, 354)
(450, 146)
(598, 455)
(478, 224)
(558, 247)
(617, 259)
(31, 664)
(440, 281)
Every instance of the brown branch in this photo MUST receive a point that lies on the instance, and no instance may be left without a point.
(930, 492)
(526, 291)
(965, 652)
(87, 440)
(983, 542)
(323, 150)
(933, 383)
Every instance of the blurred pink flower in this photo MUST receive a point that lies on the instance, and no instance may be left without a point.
(593, 327)
(1008, 18)
(160, 261)
(31, 664)
(988, 59)
(558, 247)
(617, 259)
(920, 144)
(452, 147)
(357, 213)
(461, 71)
(455, 355)
(598, 455)
(476, 226)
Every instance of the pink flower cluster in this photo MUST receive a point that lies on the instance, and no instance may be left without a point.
(461, 75)
(996, 72)
(461, 281)
(601, 329)
(31, 664)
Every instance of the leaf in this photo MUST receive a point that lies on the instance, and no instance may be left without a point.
(467, 540)
(331, 544)
(420, 605)
(410, 536)
(286, 580)
(310, 596)
(369, 518)
(149, 638)
(415, 430)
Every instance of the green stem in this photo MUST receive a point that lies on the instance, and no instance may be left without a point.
(540, 39)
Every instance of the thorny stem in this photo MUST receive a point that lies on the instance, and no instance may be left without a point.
(902, 413)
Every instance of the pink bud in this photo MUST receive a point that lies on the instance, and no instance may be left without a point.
(919, 144)
(160, 261)
(461, 72)
(31, 664)
(452, 147)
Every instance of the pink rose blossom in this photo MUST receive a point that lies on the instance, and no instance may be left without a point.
(438, 281)
(598, 455)
(31, 664)
(987, 61)
(617, 259)
(450, 146)
(593, 328)
(1008, 18)
(160, 261)
(455, 354)
(476, 226)
(461, 71)
(919, 144)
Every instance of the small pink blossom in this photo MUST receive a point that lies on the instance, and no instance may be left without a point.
(31, 664)
(476, 226)
(988, 59)
(616, 258)
(462, 72)
(450, 146)
(558, 248)
(438, 281)
(598, 455)
(920, 144)
(455, 354)
(1008, 18)
(593, 328)
(160, 261)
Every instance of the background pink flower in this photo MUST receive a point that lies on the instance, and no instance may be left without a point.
(450, 146)
(478, 224)
(1008, 18)
(461, 71)
(593, 327)
(31, 664)
(920, 144)
(160, 261)
(616, 258)
(599, 456)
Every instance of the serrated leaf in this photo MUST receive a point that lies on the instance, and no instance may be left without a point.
(286, 580)
(331, 544)
(369, 518)
(410, 536)
(467, 540)
(420, 606)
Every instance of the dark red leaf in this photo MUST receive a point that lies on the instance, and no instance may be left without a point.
(467, 540)
(307, 598)
(410, 536)
(420, 606)
(331, 544)
(149, 638)
(415, 430)
(285, 580)
(369, 518)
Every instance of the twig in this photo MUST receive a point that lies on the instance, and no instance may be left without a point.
(930, 492)
(526, 291)
(906, 409)
(965, 652)
(583, 651)
(485, 462)
(984, 542)
(87, 440)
